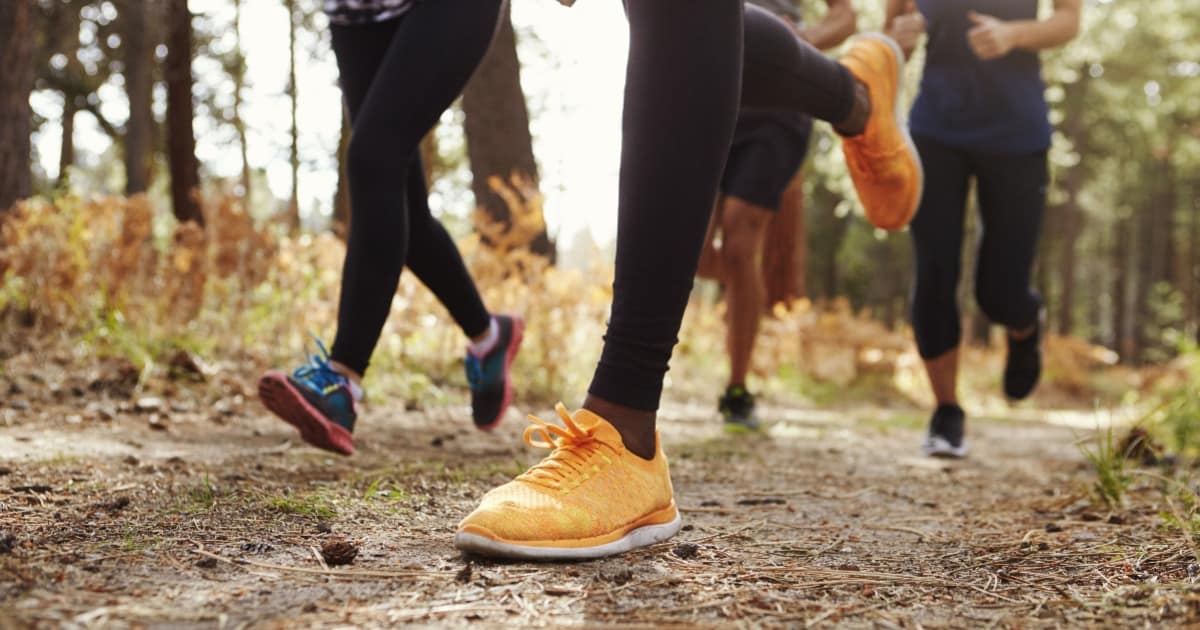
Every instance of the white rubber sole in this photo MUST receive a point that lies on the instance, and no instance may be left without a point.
(901, 119)
(640, 537)
(938, 446)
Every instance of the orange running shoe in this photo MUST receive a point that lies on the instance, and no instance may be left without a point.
(589, 498)
(882, 160)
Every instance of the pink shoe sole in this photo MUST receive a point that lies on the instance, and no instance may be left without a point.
(284, 400)
(518, 335)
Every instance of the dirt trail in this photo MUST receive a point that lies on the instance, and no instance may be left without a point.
(213, 521)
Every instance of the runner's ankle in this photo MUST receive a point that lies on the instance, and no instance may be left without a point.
(637, 427)
(856, 123)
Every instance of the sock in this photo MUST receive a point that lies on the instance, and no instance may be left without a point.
(356, 390)
(481, 348)
(856, 123)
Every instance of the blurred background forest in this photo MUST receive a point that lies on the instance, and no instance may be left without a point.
(184, 164)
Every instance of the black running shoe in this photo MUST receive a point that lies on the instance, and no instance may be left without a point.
(1023, 368)
(491, 385)
(946, 430)
(737, 408)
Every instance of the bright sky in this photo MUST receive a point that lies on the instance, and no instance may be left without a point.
(574, 88)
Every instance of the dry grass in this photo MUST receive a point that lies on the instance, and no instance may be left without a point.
(115, 277)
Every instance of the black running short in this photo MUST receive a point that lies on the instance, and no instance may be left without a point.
(768, 148)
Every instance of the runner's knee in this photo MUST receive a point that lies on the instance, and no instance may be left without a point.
(743, 226)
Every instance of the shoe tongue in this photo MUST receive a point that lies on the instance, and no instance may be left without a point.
(601, 428)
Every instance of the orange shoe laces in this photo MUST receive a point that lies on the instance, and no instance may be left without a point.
(572, 448)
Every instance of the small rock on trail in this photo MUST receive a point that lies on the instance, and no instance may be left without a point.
(464, 574)
(763, 501)
(686, 550)
(338, 552)
(116, 505)
(619, 576)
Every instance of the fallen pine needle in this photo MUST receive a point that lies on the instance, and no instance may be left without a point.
(326, 571)
(320, 559)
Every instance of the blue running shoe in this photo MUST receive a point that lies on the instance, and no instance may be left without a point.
(491, 384)
(317, 400)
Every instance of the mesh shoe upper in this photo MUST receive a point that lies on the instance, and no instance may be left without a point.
(588, 491)
(1023, 367)
(882, 161)
(737, 408)
(488, 375)
(326, 389)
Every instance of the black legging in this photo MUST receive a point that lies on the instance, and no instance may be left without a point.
(681, 99)
(1012, 201)
(397, 78)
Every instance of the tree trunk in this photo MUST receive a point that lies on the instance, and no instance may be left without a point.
(1167, 251)
(63, 24)
(1095, 308)
(16, 116)
(881, 289)
(1072, 220)
(239, 84)
(499, 143)
(1072, 217)
(785, 250)
(181, 136)
(823, 233)
(1192, 278)
(341, 199)
(1051, 238)
(800, 255)
(1122, 339)
(139, 86)
(976, 326)
(1153, 249)
(293, 209)
(66, 153)
(430, 156)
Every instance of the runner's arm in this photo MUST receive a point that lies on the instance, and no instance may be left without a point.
(992, 38)
(839, 23)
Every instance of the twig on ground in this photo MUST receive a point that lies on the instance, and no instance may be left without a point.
(907, 530)
(358, 574)
(320, 559)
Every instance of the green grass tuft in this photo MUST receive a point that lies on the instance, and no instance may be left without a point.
(315, 505)
(200, 497)
(1110, 464)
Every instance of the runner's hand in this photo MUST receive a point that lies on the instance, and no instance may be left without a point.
(907, 29)
(990, 38)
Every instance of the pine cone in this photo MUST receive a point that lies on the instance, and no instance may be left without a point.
(339, 551)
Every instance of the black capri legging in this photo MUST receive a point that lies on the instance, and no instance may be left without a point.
(1012, 201)
(681, 101)
(397, 78)
(683, 89)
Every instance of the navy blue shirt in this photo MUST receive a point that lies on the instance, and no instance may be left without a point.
(996, 106)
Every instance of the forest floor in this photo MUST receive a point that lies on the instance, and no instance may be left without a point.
(196, 509)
